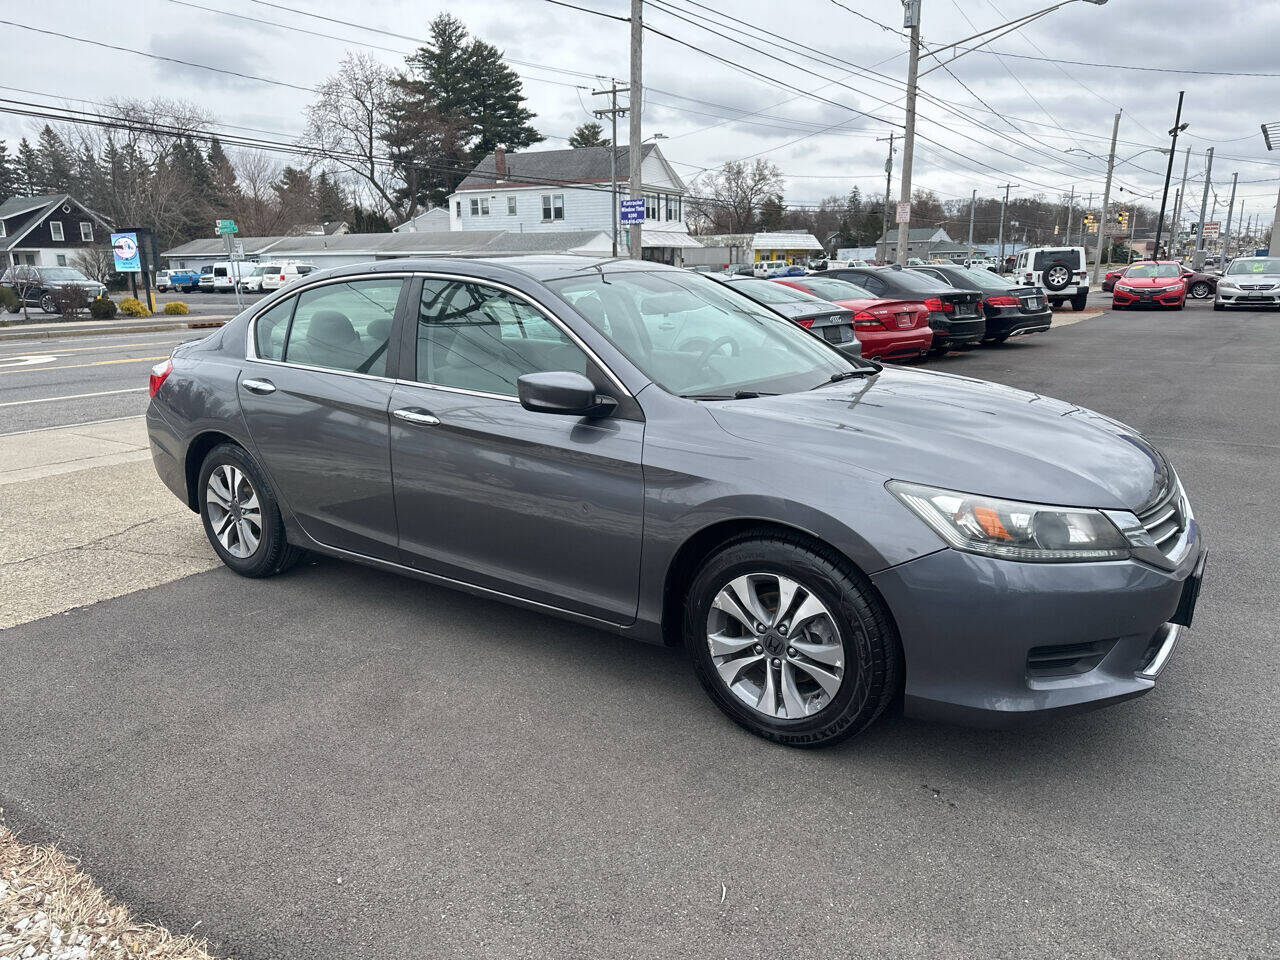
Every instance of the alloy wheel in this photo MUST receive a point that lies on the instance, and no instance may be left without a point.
(1200, 291)
(775, 646)
(1057, 277)
(235, 513)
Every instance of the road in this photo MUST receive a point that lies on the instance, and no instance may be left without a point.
(344, 763)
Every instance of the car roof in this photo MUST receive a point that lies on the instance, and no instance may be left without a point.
(539, 267)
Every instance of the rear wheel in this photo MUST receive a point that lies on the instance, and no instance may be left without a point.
(1055, 303)
(1080, 301)
(1199, 290)
(240, 514)
(47, 303)
(791, 641)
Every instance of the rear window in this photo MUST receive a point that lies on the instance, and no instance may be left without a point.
(915, 280)
(832, 289)
(766, 291)
(1068, 258)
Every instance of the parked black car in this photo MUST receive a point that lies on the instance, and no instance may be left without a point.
(834, 324)
(38, 285)
(1011, 309)
(954, 314)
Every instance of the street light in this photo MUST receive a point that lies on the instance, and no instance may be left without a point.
(911, 20)
(655, 136)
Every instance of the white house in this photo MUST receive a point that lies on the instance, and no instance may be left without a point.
(48, 231)
(430, 220)
(555, 190)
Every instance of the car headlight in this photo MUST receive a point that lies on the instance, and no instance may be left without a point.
(1227, 285)
(1011, 530)
(1123, 289)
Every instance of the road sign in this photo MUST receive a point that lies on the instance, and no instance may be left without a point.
(904, 211)
(124, 248)
(631, 211)
(1211, 228)
(237, 250)
(227, 226)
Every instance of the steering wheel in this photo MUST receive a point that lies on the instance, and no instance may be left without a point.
(713, 347)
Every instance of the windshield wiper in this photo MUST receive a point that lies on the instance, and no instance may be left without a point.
(738, 395)
(870, 370)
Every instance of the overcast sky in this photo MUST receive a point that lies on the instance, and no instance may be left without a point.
(712, 112)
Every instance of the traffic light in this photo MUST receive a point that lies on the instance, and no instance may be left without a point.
(1122, 218)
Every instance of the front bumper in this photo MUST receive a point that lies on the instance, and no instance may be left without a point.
(994, 642)
(1123, 298)
(1247, 298)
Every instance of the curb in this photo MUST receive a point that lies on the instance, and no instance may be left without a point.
(47, 333)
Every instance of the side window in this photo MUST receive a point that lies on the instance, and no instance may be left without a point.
(476, 337)
(874, 284)
(344, 326)
(270, 328)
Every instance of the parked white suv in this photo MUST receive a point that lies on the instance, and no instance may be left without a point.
(277, 273)
(1060, 271)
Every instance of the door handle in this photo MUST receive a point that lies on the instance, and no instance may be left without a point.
(414, 415)
(258, 386)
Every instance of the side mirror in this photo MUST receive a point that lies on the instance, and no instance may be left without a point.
(563, 392)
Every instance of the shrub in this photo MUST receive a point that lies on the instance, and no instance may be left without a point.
(9, 300)
(70, 300)
(133, 307)
(102, 308)
(176, 308)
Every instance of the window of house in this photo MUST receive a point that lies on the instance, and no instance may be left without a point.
(3, 232)
(458, 207)
(62, 259)
(55, 229)
(476, 337)
(553, 206)
(484, 206)
(651, 207)
(475, 207)
(511, 206)
(344, 326)
(86, 231)
(673, 204)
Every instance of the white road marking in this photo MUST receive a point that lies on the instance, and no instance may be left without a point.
(73, 396)
(27, 360)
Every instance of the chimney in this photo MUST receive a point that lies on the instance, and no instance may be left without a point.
(499, 164)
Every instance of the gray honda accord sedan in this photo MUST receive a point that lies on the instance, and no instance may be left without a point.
(643, 449)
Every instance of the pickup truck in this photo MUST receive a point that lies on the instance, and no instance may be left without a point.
(185, 280)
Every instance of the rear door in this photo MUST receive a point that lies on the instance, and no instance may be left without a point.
(544, 507)
(314, 392)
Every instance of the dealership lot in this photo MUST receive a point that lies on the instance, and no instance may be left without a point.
(341, 762)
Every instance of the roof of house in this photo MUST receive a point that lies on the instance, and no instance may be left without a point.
(578, 164)
(786, 240)
(407, 244)
(35, 209)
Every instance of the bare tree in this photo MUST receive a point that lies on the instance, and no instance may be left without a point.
(96, 263)
(347, 125)
(729, 200)
(256, 206)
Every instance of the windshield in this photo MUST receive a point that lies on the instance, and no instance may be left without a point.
(1145, 271)
(1260, 265)
(63, 273)
(694, 336)
(766, 291)
(915, 280)
(831, 289)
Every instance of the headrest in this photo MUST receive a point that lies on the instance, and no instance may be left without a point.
(331, 327)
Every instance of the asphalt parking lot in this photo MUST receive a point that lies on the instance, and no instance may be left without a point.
(343, 763)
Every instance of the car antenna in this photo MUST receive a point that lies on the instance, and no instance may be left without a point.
(600, 269)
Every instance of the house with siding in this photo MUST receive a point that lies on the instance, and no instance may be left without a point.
(547, 191)
(48, 231)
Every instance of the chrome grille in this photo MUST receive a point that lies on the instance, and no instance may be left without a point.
(1165, 519)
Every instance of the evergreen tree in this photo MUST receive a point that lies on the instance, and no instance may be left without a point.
(589, 134)
(296, 195)
(57, 162)
(772, 212)
(497, 103)
(222, 177)
(330, 198)
(8, 174)
(30, 178)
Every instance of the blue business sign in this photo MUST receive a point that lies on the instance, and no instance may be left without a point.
(124, 247)
(632, 211)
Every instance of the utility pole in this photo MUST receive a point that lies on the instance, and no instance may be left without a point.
(1003, 204)
(1274, 247)
(1175, 227)
(1106, 200)
(888, 182)
(1197, 258)
(1178, 127)
(1231, 209)
(912, 10)
(1071, 205)
(636, 147)
(973, 202)
(612, 112)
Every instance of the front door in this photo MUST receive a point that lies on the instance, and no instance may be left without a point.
(540, 506)
(315, 401)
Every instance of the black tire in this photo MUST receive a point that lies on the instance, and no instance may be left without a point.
(1199, 290)
(996, 341)
(47, 304)
(1080, 301)
(1056, 276)
(865, 627)
(1055, 303)
(274, 553)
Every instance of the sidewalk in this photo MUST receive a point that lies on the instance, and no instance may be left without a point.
(77, 328)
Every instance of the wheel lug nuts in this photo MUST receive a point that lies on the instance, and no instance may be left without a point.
(759, 628)
(791, 651)
(777, 662)
(759, 649)
(782, 629)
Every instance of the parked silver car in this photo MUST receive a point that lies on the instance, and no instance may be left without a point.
(1249, 282)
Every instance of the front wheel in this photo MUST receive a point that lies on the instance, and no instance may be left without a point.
(791, 641)
(241, 517)
(1200, 290)
(47, 304)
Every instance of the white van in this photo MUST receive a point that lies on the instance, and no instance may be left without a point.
(224, 275)
(768, 268)
(276, 273)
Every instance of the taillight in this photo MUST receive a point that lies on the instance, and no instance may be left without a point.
(867, 320)
(934, 304)
(948, 306)
(806, 323)
(1002, 301)
(282, 276)
(158, 374)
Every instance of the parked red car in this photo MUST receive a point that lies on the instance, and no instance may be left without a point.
(1151, 283)
(1200, 286)
(888, 329)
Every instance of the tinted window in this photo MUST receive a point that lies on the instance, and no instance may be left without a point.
(695, 336)
(984, 279)
(476, 337)
(344, 326)
(766, 291)
(830, 289)
(1068, 258)
(270, 329)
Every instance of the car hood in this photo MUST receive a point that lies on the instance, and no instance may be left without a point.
(958, 433)
(1150, 281)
